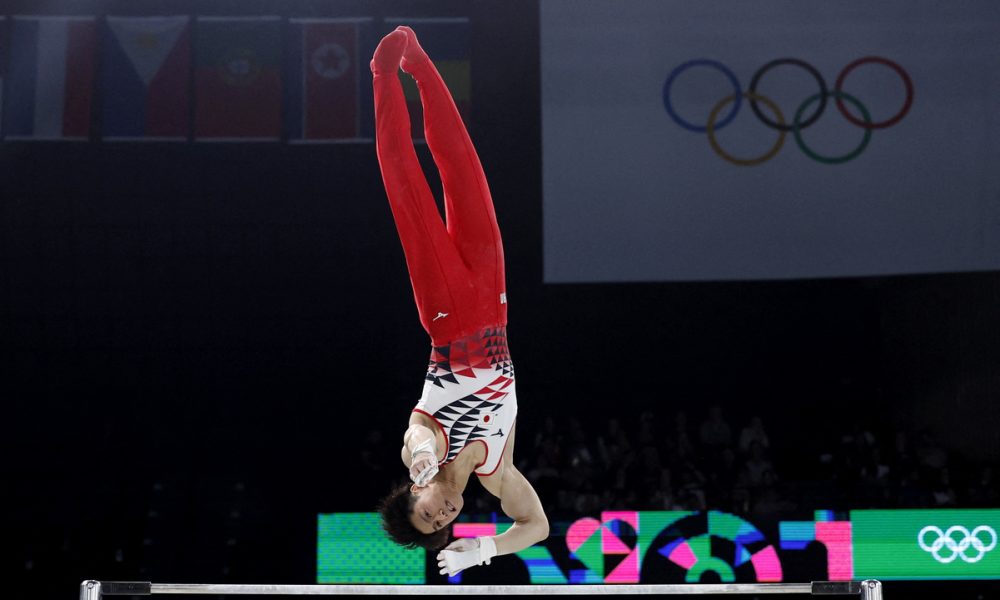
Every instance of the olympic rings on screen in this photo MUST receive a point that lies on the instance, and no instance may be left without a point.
(957, 548)
(746, 162)
(812, 71)
(797, 128)
(902, 75)
(800, 121)
(705, 63)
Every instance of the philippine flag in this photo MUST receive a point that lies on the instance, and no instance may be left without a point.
(146, 72)
(324, 98)
(50, 79)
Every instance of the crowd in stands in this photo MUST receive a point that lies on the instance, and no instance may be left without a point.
(657, 463)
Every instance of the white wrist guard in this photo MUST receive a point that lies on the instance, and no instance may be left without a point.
(424, 446)
(487, 550)
(428, 473)
(464, 553)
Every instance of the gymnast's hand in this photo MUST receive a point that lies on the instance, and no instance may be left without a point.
(423, 463)
(464, 553)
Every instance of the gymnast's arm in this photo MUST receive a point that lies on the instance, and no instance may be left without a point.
(419, 449)
(520, 502)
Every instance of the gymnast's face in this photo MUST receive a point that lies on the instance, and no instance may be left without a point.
(435, 507)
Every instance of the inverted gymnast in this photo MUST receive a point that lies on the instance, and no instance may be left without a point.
(464, 422)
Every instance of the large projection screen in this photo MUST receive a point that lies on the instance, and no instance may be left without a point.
(636, 192)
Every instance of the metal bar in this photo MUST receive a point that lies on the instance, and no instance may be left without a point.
(95, 590)
(470, 590)
(836, 588)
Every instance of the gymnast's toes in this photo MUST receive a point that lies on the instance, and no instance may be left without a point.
(413, 54)
(389, 52)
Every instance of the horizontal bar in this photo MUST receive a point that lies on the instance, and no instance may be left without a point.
(836, 588)
(125, 588)
(476, 590)
(119, 588)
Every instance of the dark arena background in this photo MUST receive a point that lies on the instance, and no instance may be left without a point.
(781, 371)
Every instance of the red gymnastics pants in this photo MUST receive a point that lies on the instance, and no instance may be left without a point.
(457, 270)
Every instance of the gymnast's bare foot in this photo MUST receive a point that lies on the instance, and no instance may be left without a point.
(413, 54)
(389, 52)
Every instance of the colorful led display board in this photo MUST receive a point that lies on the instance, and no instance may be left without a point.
(677, 546)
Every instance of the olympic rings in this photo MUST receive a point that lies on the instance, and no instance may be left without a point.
(799, 122)
(747, 162)
(902, 75)
(812, 71)
(957, 548)
(696, 63)
(797, 128)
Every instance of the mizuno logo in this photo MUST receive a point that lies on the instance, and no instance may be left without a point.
(441, 315)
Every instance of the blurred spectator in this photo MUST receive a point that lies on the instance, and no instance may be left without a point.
(982, 490)
(753, 432)
(901, 448)
(875, 473)
(714, 432)
(648, 471)
(857, 443)
(647, 435)
(691, 495)
(724, 478)
(755, 466)
(547, 433)
(613, 444)
(663, 496)
(579, 457)
(769, 500)
(679, 444)
(911, 492)
(942, 492)
(543, 476)
(541, 469)
(902, 455)
(741, 501)
(929, 452)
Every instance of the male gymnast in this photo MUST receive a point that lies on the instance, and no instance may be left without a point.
(464, 422)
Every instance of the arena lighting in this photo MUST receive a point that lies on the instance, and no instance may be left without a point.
(869, 589)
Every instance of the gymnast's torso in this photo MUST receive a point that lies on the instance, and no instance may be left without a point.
(470, 399)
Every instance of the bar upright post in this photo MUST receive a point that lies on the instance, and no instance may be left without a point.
(90, 590)
(871, 589)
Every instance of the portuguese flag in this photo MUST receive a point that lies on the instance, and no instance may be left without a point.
(238, 78)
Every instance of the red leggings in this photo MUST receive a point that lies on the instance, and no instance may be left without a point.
(457, 270)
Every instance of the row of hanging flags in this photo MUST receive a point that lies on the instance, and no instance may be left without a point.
(177, 78)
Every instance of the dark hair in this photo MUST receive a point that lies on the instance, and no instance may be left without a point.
(396, 509)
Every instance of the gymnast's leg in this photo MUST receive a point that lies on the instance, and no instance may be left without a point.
(471, 220)
(440, 279)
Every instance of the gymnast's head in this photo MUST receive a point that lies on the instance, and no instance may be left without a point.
(415, 516)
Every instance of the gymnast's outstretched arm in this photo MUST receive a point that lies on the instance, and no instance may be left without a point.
(520, 502)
